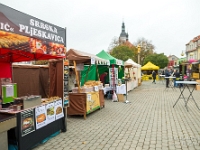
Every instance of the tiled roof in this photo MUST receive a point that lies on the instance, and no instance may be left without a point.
(129, 44)
(195, 39)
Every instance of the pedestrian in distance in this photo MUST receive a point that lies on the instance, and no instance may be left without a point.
(167, 74)
(154, 77)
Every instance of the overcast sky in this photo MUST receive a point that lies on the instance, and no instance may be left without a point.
(92, 24)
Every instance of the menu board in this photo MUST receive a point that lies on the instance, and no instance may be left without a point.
(40, 116)
(66, 74)
(59, 109)
(27, 122)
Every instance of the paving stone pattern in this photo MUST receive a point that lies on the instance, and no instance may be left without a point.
(149, 122)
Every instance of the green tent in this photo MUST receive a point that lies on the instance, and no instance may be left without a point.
(112, 59)
(90, 72)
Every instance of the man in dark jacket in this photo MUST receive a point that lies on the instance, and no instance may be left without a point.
(154, 77)
(167, 74)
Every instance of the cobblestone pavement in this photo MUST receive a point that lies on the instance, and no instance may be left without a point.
(148, 122)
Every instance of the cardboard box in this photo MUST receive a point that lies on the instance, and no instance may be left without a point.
(198, 87)
(120, 97)
(198, 81)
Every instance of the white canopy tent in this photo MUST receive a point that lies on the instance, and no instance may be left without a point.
(135, 70)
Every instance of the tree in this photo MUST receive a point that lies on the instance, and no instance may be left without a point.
(146, 49)
(157, 59)
(113, 44)
(123, 52)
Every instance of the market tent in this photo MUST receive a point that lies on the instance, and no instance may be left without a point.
(134, 71)
(150, 66)
(130, 61)
(112, 59)
(136, 67)
(86, 58)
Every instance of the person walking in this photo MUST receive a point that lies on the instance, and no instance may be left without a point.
(167, 74)
(154, 77)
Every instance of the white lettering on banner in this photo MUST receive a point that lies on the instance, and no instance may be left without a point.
(39, 33)
(43, 26)
(6, 27)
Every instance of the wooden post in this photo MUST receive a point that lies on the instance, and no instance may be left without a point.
(77, 79)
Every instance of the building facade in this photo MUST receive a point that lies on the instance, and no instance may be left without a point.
(193, 49)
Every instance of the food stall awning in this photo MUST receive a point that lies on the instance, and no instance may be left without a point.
(150, 66)
(86, 58)
(112, 59)
(131, 62)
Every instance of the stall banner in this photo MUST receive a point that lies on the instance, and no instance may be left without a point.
(40, 116)
(93, 102)
(27, 122)
(65, 89)
(113, 75)
(24, 32)
(50, 110)
(20, 23)
(59, 109)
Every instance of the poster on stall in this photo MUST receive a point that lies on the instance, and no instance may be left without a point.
(59, 109)
(40, 116)
(113, 76)
(66, 74)
(93, 102)
(50, 112)
(27, 122)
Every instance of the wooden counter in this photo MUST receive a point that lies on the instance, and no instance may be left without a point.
(7, 122)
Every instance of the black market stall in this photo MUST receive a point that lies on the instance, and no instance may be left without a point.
(26, 38)
(86, 99)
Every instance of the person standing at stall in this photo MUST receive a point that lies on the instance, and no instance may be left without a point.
(167, 74)
(71, 80)
(177, 75)
(103, 77)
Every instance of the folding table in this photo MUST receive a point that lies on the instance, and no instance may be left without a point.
(186, 84)
(162, 78)
(170, 82)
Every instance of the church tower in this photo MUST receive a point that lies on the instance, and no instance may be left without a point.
(123, 36)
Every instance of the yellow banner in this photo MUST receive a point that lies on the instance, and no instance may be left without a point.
(93, 102)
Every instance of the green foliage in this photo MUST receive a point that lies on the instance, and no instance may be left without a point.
(146, 49)
(123, 52)
(157, 59)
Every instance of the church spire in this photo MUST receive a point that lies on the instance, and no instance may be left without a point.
(123, 34)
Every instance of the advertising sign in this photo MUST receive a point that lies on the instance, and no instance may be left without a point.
(93, 102)
(40, 116)
(19, 31)
(27, 122)
(50, 109)
(17, 22)
(59, 109)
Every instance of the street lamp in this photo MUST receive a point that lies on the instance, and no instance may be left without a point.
(139, 49)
